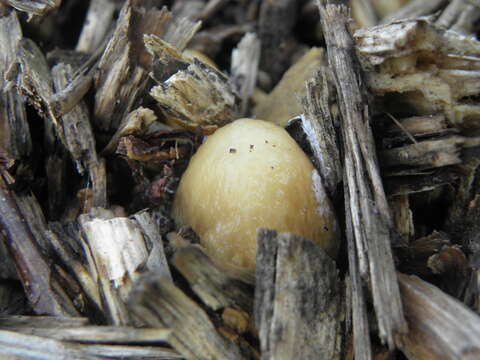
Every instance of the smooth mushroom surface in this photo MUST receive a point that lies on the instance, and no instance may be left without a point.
(251, 174)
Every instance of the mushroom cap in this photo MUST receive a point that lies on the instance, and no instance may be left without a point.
(251, 174)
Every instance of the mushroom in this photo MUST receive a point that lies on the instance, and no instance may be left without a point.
(251, 174)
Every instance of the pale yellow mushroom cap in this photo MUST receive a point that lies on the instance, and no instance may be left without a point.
(252, 174)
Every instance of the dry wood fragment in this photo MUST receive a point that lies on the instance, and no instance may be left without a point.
(209, 41)
(121, 249)
(298, 303)
(188, 8)
(45, 294)
(440, 327)
(97, 24)
(33, 79)
(80, 83)
(465, 23)
(444, 85)
(23, 346)
(462, 217)
(79, 330)
(415, 8)
(319, 123)
(428, 154)
(77, 132)
(409, 130)
(167, 58)
(416, 256)
(120, 79)
(159, 303)
(135, 123)
(363, 12)
(14, 131)
(180, 31)
(35, 7)
(367, 209)
(197, 97)
(283, 102)
(98, 177)
(192, 94)
(244, 68)
(415, 182)
(357, 306)
(460, 16)
(66, 248)
(216, 287)
(462, 220)
(123, 70)
(384, 8)
(20, 321)
(157, 261)
(402, 217)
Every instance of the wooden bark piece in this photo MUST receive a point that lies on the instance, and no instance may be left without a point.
(415, 8)
(244, 68)
(362, 345)
(216, 287)
(14, 131)
(121, 79)
(157, 261)
(298, 304)
(35, 7)
(79, 139)
(428, 154)
(433, 71)
(65, 243)
(15, 345)
(419, 182)
(136, 123)
(318, 123)
(44, 293)
(460, 16)
(363, 12)
(33, 79)
(462, 221)
(124, 66)
(120, 252)
(366, 205)
(97, 23)
(198, 97)
(440, 327)
(402, 217)
(414, 129)
(159, 303)
(79, 330)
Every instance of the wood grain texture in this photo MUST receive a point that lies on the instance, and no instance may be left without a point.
(298, 303)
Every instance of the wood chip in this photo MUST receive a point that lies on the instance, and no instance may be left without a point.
(366, 205)
(298, 306)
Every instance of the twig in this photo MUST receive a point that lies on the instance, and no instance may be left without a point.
(366, 205)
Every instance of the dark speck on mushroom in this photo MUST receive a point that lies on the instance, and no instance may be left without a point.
(233, 151)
